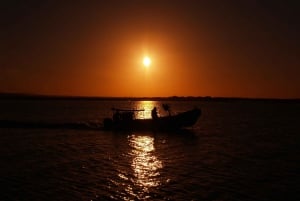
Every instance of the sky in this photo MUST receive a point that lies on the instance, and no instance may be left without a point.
(213, 48)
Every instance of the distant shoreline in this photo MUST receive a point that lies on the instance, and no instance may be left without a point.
(19, 96)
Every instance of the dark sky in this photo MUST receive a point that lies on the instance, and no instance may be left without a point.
(198, 48)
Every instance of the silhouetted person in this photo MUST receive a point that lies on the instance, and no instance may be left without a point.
(117, 116)
(154, 113)
(167, 108)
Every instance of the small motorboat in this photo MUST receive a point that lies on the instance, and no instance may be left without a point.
(124, 119)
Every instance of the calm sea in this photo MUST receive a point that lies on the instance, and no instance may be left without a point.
(238, 150)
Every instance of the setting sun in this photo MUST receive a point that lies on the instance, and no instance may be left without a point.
(146, 61)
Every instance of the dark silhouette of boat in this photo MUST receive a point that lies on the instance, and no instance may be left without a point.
(124, 120)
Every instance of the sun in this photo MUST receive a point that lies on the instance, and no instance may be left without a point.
(146, 61)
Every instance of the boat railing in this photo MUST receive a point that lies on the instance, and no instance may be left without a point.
(136, 113)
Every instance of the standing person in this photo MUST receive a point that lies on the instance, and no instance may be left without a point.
(154, 113)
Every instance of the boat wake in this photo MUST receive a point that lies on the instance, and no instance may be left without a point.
(49, 125)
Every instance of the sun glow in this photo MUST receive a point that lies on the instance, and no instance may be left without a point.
(147, 61)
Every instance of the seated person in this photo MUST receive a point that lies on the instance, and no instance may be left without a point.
(117, 116)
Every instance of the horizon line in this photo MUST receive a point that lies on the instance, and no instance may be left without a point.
(14, 95)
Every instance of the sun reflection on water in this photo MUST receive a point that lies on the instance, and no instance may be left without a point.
(145, 164)
(147, 106)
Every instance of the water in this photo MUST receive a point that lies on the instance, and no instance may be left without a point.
(238, 150)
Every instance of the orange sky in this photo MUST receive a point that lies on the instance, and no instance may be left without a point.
(232, 49)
